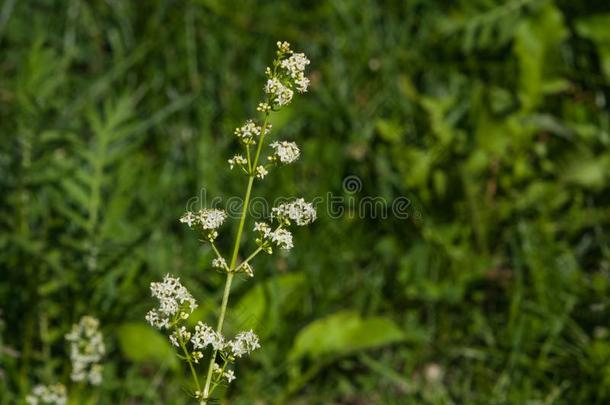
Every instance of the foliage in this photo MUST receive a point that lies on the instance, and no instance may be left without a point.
(490, 116)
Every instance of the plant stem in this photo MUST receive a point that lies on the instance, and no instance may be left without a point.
(190, 363)
(230, 274)
(257, 251)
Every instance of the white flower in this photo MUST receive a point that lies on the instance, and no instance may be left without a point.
(301, 83)
(189, 218)
(197, 355)
(86, 350)
(282, 238)
(219, 263)
(208, 219)
(204, 335)
(285, 152)
(299, 211)
(246, 268)
(244, 343)
(48, 394)
(174, 340)
(247, 132)
(295, 65)
(263, 107)
(237, 160)
(262, 228)
(279, 93)
(211, 218)
(179, 335)
(261, 172)
(174, 301)
(229, 375)
(283, 47)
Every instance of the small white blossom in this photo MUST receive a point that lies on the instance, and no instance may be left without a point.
(283, 47)
(204, 335)
(246, 268)
(208, 219)
(197, 355)
(244, 343)
(229, 375)
(282, 238)
(219, 263)
(86, 350)
(189, 218)
(295, 65)
(299, 211)
(179, 335)
(279, 93)
(263, 107)
(262, 228)
(249, 131)
(174, 301)
(48, 395)
(285, 152)
(237, 160)
(301, 83)
(211, 218)
(261, 172)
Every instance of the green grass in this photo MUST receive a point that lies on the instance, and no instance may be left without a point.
(490, 116)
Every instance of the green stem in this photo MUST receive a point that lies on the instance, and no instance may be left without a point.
(190, 363)
(240, 229)
(257, 251)
(218, 255)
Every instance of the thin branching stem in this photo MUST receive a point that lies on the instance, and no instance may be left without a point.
(236, 245)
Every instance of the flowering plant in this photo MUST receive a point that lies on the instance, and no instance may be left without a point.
(284, 77)
(87, 350)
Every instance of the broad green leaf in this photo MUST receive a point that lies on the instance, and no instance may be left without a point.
(140, 342)
(343, 333)
(254, 309)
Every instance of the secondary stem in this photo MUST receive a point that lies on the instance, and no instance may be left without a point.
(190, 363)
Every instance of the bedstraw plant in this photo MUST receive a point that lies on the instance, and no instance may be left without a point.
(284, 77)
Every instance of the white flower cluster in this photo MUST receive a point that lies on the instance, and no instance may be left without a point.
(204, 335)
(244, 343)
(295, 67)
(207, 219)
(282, 238)
(86, 350)
(219, 263)
(237, 160)
(291, 75)
(261, 172)
(175, 302)
(278, 92)
(246, 268)
(249, 131)
(284, 152)
(48, 395)
(179, 335)
(299, 211)
(229, 375)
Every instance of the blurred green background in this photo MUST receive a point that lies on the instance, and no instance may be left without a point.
(491, 117)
